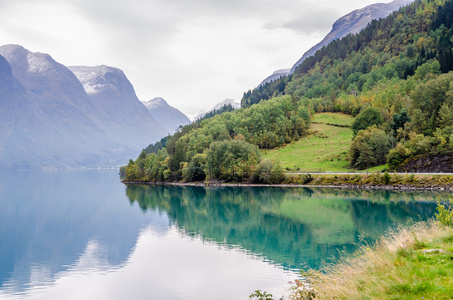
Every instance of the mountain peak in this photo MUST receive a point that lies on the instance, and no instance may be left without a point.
(26, 61)
(98, 78)
(168, 116)
(155, 103)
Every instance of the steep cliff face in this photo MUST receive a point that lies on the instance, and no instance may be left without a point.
(166, 115)
(127, 119)
(17, 107)
(30, 135)
(49, 121)
(442, 163)
(21, 121)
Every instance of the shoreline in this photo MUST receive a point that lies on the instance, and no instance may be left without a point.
(389, 187)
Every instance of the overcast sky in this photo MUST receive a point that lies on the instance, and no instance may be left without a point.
(193, 53)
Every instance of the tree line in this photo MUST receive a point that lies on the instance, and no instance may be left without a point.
(226, 146)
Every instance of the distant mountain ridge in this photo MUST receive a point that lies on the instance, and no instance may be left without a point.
(170, 117)
(218, 106)
(351, 23)
(50, 121)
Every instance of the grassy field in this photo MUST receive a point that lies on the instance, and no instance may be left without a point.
(411, 263)
(325, 148)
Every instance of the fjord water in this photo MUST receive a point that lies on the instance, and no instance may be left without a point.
(85, 235)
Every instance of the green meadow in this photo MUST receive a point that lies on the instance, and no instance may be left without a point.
(325, 148)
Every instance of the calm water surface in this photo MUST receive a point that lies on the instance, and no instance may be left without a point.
(85, 235)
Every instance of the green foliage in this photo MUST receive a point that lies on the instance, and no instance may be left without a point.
(195, 170)
(265, 92)
(427, 70)
(419, 144)
(223, 109)
(394, 74)
(258, 295)
(369, 148)
(429, 98)
(225, 147)
(444, 213)
(306, 179)
(399, 120)
(231, 160)
(153, 148)
(368, 117)
(386, 178)
(413, 41)
(268, 171)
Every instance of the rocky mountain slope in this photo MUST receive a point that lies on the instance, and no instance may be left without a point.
(170, 117)
(351, 23)
(49, 121)
(110, 90)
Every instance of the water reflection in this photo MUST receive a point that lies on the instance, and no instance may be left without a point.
(49, 220)
(294, 227)
(75, 235)
(85, 235)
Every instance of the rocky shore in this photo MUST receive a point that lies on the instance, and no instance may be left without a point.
(365, 186)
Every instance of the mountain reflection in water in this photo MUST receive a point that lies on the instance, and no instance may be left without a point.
(85, 235)
(295, 227)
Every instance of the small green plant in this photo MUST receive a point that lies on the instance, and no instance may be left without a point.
(258, 295)
(386, 178)
(444, 213)
(306, 178)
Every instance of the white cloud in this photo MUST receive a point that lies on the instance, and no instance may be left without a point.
(192, 53)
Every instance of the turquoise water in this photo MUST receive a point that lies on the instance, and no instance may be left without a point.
(85, 235)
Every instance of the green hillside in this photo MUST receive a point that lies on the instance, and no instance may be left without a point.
(393, 78)
(324, 148)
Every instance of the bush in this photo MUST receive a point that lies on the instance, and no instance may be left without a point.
(444, 214)
(386, 178)
(369, 148)
(268, 171)
(306, 178)
(261, 295)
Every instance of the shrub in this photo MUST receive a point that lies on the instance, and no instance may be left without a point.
(444, 213)
(386, 178)
(268, 171)
(369, 148)
(261, 295)
(306, 178)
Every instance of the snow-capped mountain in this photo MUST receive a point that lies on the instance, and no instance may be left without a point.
(111, 91)
(49, 121)
(166, 115)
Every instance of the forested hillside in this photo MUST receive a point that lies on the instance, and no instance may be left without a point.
(226, 146)
(393, 77)
(394, 74)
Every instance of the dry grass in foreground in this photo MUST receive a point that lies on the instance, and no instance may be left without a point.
(410, 263)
